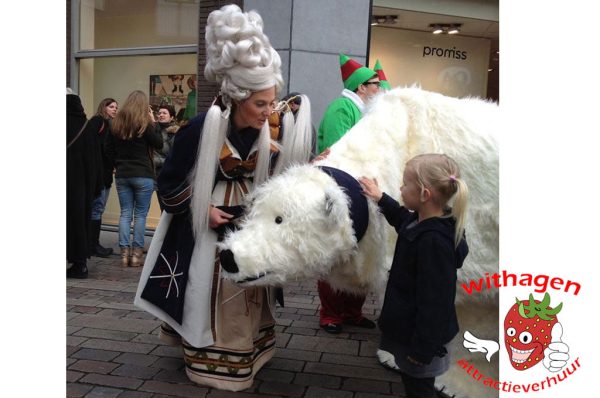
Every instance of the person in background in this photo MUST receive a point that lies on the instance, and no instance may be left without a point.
(84, 182)
(361, 84)
(107, 110)
(418, 317)
(134, 137)
(168, 128)
(190, 104)
(227, 331)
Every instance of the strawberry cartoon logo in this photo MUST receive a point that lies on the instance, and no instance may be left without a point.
(532, 334)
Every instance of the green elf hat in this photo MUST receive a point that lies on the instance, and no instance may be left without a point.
(384, 84)
(354, 73)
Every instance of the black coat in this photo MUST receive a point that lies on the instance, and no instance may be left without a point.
(84, 178)
(107, 165)
(134, 158)
(418, 309)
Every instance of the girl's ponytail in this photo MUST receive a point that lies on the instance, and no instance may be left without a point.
(459, 208)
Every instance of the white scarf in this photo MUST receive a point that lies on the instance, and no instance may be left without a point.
(352, 96)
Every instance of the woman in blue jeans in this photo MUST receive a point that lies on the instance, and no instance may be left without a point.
(134, 137)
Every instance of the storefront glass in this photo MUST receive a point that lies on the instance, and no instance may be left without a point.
(106, 24)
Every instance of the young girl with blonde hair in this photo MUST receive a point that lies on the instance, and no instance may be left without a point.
(418, 318)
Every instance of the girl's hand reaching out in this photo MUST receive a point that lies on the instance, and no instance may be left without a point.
(371, 188)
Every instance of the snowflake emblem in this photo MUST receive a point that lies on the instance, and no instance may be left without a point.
(171, 274)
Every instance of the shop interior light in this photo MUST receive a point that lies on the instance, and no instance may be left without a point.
(384, 19)
(454, 29)
(450, 29)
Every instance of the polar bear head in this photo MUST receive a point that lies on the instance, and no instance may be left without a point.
(297, 226)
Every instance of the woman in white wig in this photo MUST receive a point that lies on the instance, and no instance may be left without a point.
(227, 332)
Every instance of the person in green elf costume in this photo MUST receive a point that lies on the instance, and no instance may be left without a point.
(383, 82)
(360, 85)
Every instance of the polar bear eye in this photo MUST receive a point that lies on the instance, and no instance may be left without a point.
(278, 219)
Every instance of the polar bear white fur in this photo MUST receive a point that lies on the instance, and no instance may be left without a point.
(298, 224)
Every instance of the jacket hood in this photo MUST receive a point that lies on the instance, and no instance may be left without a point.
(444, 226)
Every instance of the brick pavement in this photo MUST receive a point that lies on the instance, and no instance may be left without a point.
(113, 348)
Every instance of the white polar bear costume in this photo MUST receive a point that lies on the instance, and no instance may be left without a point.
(298, 224)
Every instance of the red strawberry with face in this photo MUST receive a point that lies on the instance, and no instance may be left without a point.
(527, 330)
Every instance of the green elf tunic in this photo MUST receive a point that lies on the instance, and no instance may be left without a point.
(341, 115)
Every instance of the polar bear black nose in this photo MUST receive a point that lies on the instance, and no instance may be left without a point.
(228, 261)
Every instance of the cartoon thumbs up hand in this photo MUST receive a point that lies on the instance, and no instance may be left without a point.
(556, 354)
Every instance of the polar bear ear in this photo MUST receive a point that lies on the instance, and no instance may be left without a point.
(335, 206)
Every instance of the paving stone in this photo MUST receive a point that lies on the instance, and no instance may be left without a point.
(106, 334)
(306, 312)
(151, 338)
(301, 331)
(160, 387)
(104, 293)
(172, 376)
(285, 389)
(324, 344)
(362, 385)
(72, 315)
(299, 299)
(85, 302)
(306, 324)
(307, 379)
(135, 394)
(98, 355)
(306, 306)
(71, 350)
(73, 329)
(123, 346)
(112, 381)
(135, 371)
(73, 376)
(285, 364)
(368, 348)
(286, 309)
(398, 388)
(231, 394)
(169, 363)
(350, 371)
(136, 359)
(274, 375)
(75, 341)
(104, 392)
(75, 290)
(110, 323)
(140, 315)
(372, 395)
(300, 355)
(314, 319)
(70, 361)
(119, 306)
(283, 321)
(319, 392)
(112, 312)
(76, 390)
(88, 366)
(168, 351)
(85, 310)
(350, 360)
(282, 339)
(289, 316)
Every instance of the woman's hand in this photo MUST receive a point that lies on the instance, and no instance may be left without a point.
(151, 113)
(371, 188)
(217, 217)
(321, 156)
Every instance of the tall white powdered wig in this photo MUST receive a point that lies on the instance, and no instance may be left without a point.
(242, 61)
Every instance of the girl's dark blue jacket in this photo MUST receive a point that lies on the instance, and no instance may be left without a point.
(418, 310)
